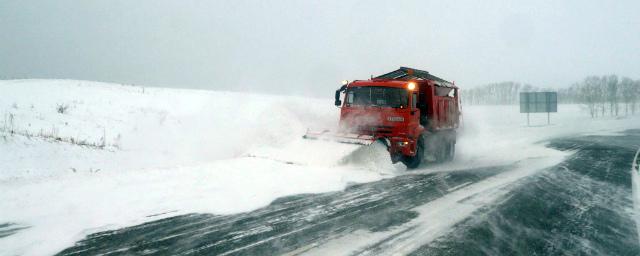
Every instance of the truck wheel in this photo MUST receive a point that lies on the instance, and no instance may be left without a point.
(442, 152)
(413, 162)
(451, 150)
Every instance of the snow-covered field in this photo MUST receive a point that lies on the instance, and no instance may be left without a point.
(150, 153)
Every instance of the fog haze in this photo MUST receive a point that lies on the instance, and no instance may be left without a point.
(308, 47)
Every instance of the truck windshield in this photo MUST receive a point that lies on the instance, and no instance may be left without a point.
(378, 96)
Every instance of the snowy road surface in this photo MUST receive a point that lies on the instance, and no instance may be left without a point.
(582, 206)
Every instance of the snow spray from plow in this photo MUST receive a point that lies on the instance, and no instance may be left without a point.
(374, 157)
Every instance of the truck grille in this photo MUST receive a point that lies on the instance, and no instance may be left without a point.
(374, 129)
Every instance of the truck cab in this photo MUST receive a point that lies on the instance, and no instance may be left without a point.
(412, 112)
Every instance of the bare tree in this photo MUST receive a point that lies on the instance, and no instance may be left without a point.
(591, 94)
(636, 96)
(627, 93)
(611, 88)
(601, 94)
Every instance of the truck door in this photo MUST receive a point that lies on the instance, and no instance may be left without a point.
(414, 118)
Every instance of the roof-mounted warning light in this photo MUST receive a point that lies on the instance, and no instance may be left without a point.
(411, 85)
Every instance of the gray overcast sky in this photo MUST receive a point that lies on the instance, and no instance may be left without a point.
(308, 47)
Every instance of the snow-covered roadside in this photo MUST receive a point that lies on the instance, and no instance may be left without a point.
(170, 152)
(144, 127)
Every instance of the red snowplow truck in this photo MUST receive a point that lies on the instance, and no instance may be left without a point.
(415, 114)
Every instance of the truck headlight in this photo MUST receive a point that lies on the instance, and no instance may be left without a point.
(402, 143)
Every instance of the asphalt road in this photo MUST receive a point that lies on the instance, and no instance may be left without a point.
(582, 206)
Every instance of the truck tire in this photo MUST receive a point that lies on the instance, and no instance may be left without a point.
(413, 162)
(442, 151)
(451, 152)
(445, 147)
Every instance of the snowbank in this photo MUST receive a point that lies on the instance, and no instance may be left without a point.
(150, 153)
(147, 127)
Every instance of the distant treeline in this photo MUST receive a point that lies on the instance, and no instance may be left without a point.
(496, 93)
(604, 94)
(601, 94)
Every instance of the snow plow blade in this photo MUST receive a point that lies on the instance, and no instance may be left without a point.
(348, 138)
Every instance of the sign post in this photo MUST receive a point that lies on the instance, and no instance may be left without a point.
(539, 102)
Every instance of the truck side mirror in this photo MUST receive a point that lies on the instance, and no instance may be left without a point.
(338, 102)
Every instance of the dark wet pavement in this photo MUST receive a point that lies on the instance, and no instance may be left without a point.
(583, 206)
